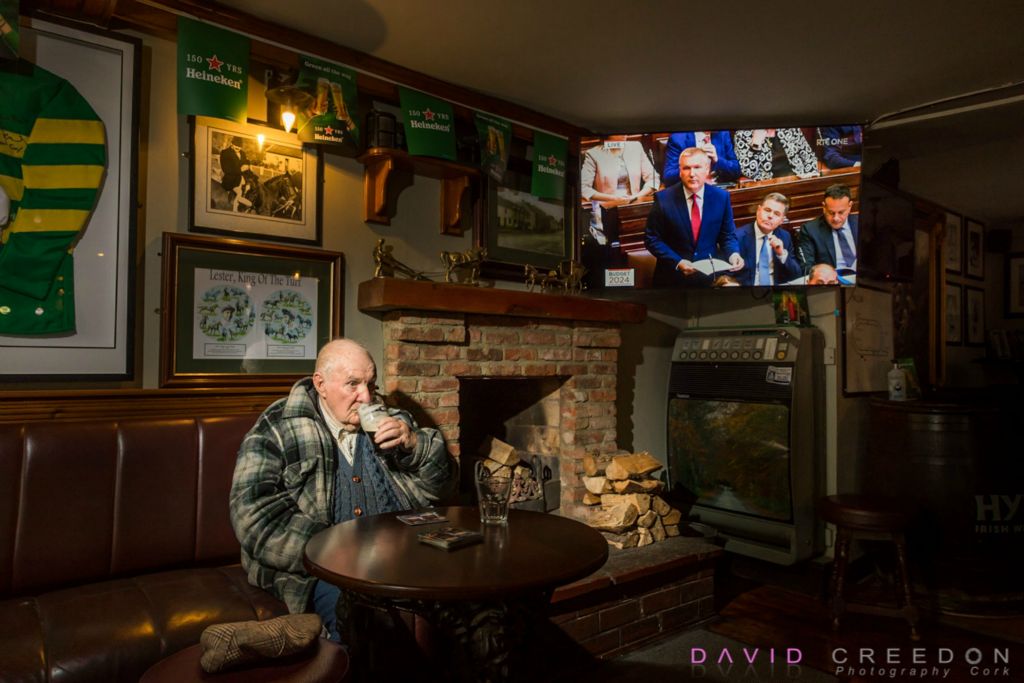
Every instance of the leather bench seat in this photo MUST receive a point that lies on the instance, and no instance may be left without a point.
(116, 548)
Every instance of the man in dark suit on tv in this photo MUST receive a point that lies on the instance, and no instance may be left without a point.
(691, 221)
(717, 144)
(768, 251)
(832, 237)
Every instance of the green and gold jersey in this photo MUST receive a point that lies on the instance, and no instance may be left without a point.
(52, 163)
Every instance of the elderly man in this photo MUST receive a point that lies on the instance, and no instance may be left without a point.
(832, 237)
(691, 221)
(307, 464)
(767, 251)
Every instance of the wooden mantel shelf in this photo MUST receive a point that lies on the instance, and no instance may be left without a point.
(384, 294)
(380, 195)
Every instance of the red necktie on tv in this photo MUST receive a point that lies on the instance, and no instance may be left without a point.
(695, 219)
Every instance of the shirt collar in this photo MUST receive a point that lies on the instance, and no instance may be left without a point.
(337, 428)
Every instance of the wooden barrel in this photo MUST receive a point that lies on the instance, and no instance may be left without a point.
(952, 464)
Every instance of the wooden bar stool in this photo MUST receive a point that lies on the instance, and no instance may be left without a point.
(868, 518)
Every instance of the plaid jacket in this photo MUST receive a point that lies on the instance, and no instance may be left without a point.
(283, 489)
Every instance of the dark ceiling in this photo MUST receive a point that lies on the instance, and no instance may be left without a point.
(660, 65)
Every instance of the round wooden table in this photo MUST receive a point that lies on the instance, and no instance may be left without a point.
(472, 593)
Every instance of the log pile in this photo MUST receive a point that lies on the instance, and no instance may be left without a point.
(628, 509)
(504, 460)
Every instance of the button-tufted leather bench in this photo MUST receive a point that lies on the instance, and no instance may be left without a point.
(116, 548)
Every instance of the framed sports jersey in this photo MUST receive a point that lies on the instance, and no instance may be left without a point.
(69, 142)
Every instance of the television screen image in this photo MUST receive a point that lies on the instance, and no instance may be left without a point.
(732, 455)
(774, 207)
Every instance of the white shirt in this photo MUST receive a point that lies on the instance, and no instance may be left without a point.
(344, 435)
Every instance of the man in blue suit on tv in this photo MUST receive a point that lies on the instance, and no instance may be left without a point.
(717, 144)
(832, 237)
(768, 251)
(691, 221)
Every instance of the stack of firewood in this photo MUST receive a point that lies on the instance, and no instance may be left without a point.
(504, 460)
(631, 513)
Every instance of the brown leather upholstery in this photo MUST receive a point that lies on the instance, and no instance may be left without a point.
(327, 663)
(116, 548)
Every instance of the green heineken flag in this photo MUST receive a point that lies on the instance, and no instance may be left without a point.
(213, 71)
(332, 118)
(549, 153)
(9, 30)
(429, 124)
(495, 137)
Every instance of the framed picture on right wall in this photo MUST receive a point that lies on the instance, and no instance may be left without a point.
(975, 252)
(975, 316)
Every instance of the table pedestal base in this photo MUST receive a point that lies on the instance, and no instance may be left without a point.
(482, 635)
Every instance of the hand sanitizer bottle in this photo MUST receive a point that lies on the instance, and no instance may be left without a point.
(897, 383)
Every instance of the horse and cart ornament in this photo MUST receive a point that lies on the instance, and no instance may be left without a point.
(460, 267)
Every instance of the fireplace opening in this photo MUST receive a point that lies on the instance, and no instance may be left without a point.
(524, 412)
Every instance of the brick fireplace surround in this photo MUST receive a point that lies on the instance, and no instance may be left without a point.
(439, 336)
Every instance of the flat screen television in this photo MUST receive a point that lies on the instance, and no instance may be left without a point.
(800, 187)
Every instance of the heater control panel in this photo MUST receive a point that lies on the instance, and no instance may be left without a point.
(739, 346)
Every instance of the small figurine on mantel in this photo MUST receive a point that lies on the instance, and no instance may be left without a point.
(568, 277)
(464, 264)
(386, 265)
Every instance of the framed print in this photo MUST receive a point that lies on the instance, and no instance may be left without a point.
(104, 69)
(952, 244)
(868, 340)
(954, 314)
(975, 251)
(519, 229)
(975, 316)
(255, 181)
(245, 313)
(1015, 285)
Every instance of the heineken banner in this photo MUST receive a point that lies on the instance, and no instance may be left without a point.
(549, 153)
(332, 118)
(9, 30)
(495, 137)
(429, 125)
(213, 71)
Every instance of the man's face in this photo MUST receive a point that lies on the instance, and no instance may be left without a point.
(770, 215)
(693, 171)
(350, 383)
(836, 211)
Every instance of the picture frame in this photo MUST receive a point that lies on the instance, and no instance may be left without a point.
(953, 308)
(1014, 294)
(953, 241)
(518, 229)
(239, 313)
(105, 69)
(974, 316)
(277, 196)
(974, 250)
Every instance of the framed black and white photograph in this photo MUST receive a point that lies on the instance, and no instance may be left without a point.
(1014, 295)
(952, 244)
(974, 318)
(245, 313)
(975, 250)
(98, 343)
(249, 180)
(954, 309)
(519, 229)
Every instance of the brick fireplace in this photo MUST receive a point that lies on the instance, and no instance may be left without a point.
(541, 369)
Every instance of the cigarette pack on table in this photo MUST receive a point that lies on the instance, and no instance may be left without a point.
(450, 537)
